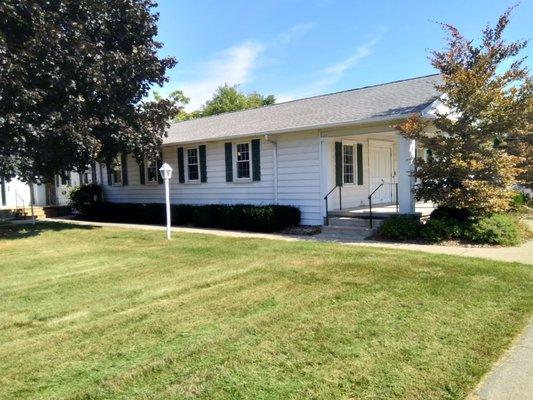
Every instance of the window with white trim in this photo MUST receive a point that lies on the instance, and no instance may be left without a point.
(116, 171)
(151, 171)
(348, 163)
(193, 165)
(84, 178)
(243, 161)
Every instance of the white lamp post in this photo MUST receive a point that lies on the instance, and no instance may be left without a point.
(166, 173)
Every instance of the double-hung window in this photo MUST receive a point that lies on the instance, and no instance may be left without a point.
(84, 178)
(151, 171)
(243, 160)
(193, 166)
(348, 163)
(116, 171)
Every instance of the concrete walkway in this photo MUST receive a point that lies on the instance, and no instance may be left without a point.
(512, 377)
(522, 253)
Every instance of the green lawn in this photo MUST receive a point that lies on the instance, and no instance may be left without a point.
(107, 313)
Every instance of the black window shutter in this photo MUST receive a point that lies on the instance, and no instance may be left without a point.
(229, 162)
(338, 163)
(3, 186)
(124, 165)
(256, 159)
(159, 164)
(181, 167)
(359, 164)
(109, 178)
(94, 178)
(142, 177)
(203, 163)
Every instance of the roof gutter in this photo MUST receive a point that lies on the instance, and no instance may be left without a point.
(302, 128)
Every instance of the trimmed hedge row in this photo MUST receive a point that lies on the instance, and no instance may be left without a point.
(267, 218)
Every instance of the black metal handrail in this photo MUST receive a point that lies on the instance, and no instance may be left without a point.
(370, 216)
(326, 199)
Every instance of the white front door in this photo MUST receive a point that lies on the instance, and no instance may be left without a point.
(63, 186)
(381, 172)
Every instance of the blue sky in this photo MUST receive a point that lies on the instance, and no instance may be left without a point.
(300, 48)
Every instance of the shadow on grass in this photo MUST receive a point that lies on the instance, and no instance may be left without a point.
(11, 231)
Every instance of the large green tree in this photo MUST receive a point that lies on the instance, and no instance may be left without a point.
(225, 99)
(479, 146)
(73, 76)
(229, 98)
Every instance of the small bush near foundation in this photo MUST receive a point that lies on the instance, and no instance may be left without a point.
(400, 227)
(450, 213)
(267, 218)
(497, 229)
(84, 196)
(438, 230)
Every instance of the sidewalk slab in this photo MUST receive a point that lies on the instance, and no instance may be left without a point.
(512, 378)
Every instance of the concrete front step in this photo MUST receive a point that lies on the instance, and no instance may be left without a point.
(40, 212)
(354, 222)
(347, 231)
(360, 214)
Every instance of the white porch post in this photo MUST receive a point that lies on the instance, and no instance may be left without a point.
(406, 163)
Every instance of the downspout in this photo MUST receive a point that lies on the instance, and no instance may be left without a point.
(101, 180)
(275, 160)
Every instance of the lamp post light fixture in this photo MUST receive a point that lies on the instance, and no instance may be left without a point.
(166, 173)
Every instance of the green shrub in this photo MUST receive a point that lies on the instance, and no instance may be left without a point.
(267, 218)
(440, 229)
(496, 229)
(400, 227)
(520, 201)
(207, 216)
(450, 213)
(83, 197)
(181, 214)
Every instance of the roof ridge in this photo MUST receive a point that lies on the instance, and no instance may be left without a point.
(307, 98)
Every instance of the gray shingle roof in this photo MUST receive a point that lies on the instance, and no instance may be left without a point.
(389, 100)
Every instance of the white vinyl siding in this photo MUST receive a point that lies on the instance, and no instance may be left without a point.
(298, 178)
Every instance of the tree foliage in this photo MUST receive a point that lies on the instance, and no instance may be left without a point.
(479, 147)
(179, 100)
(225, 99)
(73, 76)
(229, 98)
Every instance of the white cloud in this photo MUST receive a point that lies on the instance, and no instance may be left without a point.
(233, 66)
(331, 74)
(295, 32)
(341, 67)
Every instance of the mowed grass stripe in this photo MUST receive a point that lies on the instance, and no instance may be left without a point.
(113, 313)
